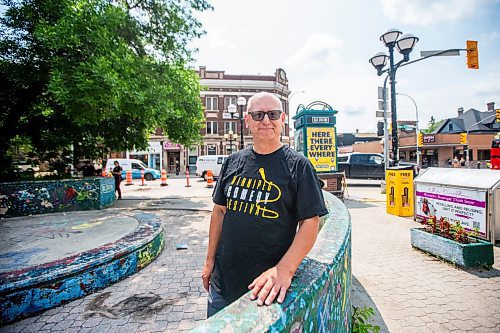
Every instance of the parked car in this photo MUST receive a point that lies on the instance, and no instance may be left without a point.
(25, 166)
(136, 166)
(209, 162)
(362, 165)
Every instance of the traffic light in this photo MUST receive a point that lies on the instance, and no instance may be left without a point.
(463, 138)
(472, 55)
(420, 139)
(380, 128)
(497, 117)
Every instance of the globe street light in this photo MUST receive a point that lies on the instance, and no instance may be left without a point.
(241, 102)
(230, 136)
(231, 108)
(404, 43)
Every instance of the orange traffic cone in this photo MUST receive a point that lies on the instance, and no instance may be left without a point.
(210, 179)
(187, 178)
(128, 178)
(164, 177)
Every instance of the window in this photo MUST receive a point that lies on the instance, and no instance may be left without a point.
(211, 127)
(342, 159)
(229, 100)
(450, 127)
(220, 160)
(229, 126)
(212, 103)
(374, 159)
(358, 159)
(483, 154)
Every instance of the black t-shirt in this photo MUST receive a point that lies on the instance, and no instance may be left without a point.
(118, 177)
(266, 196)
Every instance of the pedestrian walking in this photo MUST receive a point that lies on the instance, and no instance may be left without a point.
(117, 174)
(456, 162)
(262, 195)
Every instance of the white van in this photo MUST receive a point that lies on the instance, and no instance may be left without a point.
(135, 165)
(209, 162)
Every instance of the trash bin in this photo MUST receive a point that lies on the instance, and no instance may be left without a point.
(399, 190)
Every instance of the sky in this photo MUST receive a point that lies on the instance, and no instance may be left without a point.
(324, 47)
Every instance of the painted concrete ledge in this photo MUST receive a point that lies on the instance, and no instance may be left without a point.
(35, 289)
(50, 196)
(318, 299)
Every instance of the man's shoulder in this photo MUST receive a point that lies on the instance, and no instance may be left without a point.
(293, 156)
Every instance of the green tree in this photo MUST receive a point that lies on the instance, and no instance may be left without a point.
(88, 73)
(432, 125)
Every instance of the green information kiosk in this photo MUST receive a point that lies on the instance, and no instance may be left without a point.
(316, 138)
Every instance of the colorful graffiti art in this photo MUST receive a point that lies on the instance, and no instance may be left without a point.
(41, 197)
(29, 290)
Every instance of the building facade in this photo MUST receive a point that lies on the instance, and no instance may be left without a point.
(480, 128)
(222, 132)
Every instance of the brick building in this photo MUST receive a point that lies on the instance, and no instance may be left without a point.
(219, 90)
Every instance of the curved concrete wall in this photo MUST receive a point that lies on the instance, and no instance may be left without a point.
(318, 299)
(33, 290)
(50, 196)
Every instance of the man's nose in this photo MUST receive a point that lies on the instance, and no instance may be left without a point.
(266, 118)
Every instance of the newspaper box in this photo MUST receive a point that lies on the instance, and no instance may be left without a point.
(470, 197)
(399, 190)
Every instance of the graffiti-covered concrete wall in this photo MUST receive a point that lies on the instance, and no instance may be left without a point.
(319, 297)
(49, 196)
(34, 289)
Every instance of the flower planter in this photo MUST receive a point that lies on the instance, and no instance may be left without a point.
(466, 255)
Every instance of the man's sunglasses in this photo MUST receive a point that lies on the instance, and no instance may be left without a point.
(272, 115)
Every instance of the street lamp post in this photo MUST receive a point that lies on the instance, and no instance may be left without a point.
(231, 108)
(241, 103)
(230, 136)
(416, 126)
(404, 43)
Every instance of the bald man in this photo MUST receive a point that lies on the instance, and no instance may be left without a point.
(262, 195)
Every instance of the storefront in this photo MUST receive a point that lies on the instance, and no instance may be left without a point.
(438, 148)
(173, 153)
(152, 156)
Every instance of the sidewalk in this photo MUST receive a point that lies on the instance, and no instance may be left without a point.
(410, 291)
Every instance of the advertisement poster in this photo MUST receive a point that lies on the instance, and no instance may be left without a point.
(456, 205)
(321, 148)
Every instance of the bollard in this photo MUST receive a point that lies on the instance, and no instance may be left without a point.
(128, 178)
(164, 177)
(142, 177)
(187, 178)
(210, 179)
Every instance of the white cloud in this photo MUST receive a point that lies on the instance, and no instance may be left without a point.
(431, 12)
(317, 51)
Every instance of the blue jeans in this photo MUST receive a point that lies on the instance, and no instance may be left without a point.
(215, 302)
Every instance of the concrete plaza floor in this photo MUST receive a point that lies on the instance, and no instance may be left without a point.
(409, 290)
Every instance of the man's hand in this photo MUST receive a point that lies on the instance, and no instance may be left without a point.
(273, 282)
(206, 273)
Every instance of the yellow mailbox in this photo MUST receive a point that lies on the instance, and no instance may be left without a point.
(399, 190)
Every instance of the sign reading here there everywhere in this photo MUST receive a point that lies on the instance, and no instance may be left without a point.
(321, 148)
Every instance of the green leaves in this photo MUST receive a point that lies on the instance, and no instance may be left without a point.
(360, 320)
(98, 72)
